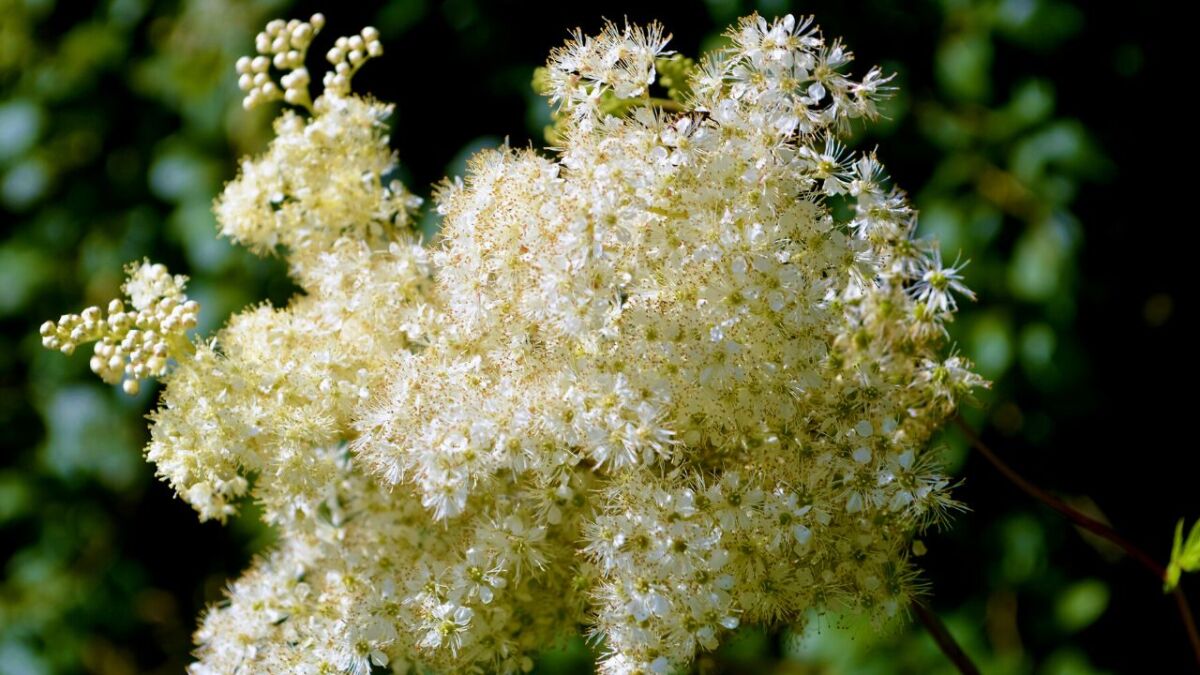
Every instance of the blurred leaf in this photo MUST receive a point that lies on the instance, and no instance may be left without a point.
(1081, 604)
(571, 657)
(1037, 24)
(964, 62)
(1062, 142)
(397, 17)
(942, 221)
(25, 183)
(1068, 661)
(16, 496)
(192, 225)
(1023, 545)
(18, 658)
(21, 123)
(990, 341)
(180, 173)
(89, 437)
(1032, 102)
(1035, 272)
(24, 270)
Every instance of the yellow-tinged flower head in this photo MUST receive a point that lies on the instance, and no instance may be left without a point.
(648, 382)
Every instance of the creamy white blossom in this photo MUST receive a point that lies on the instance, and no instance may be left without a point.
(646, 384)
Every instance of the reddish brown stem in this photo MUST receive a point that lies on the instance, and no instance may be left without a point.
(1091, 525)
(944, 639)
(1086, 522)
(1189, 622)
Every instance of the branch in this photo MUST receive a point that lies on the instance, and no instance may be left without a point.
(944, 639)
(1189, 621)
(1088, 523)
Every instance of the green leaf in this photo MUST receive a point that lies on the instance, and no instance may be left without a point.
(1081, 604)
(1185, 555)
(1189, 558)
(1173, 570)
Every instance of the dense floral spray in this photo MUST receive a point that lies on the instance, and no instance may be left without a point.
(676, 375)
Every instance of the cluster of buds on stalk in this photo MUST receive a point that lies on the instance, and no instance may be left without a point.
(131, 344)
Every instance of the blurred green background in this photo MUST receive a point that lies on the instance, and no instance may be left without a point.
(1026, 130)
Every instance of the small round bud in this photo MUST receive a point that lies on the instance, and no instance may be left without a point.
(317, 21)
(302, 36)
(47, 328)
(131, 387)
(260, 64)
(370, 33)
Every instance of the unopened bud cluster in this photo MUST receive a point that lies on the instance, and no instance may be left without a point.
(283, 45)
(131, 344)
(652, 385)
(349, 54)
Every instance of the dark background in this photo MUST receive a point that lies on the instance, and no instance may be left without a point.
(1043, 139)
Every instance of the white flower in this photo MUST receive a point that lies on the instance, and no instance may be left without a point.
(938, 282)
(445, 626)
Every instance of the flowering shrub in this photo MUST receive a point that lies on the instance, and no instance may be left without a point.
(676, 376)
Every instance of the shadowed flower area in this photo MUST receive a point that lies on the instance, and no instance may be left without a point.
(121, 121)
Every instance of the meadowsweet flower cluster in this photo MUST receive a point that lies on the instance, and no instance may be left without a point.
(648, 384)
